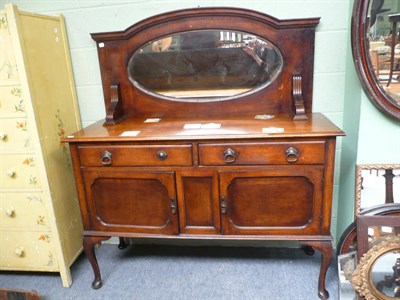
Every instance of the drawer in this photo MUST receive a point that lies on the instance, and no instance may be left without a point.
(27, 250)
(136, 155)
(23, 210)
(11, 102)
(262, 153)
(19, 171)
(15, 135)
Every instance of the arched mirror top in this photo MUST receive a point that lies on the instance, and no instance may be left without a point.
(376, 52)
(201, 57)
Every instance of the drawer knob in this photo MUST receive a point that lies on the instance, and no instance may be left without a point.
(106, 158)
(19, 251)
(230, 156)
(11, 172)
(162, 155)
(3, 136)
(292, 154)
(10, 212)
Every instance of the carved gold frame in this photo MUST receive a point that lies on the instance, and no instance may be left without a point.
(359, 169)
(360, 279)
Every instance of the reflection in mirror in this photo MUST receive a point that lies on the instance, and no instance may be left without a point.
(384, 47)
(206, 65)
(377, 184)
(385, 272)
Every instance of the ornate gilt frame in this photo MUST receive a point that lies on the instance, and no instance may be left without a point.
(358, 183)
(360, 279)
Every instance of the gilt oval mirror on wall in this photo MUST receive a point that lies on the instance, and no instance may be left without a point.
(376, 51)
(206, 64)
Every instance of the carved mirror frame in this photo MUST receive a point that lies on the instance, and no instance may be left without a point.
(360, 47)
(369, 250)
(359, 180)
(361, 279)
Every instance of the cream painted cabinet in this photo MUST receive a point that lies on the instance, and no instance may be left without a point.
(40, 224)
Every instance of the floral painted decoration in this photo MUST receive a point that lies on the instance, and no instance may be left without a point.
(60, 125)
(16, 92)
(61, 134)
(35, 198)
(21, 125)
(19, 107)
(3, 23)
(45, 238)
(33, 180)
(40, 220)
(50, 261)
(30, 161)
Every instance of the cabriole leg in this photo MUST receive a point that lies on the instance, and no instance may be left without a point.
(89, 243)
(325, 247)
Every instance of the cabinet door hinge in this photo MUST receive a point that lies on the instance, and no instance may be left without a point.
(173, 205)
(224, 205)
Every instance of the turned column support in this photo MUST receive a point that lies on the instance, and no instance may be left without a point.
(325, 247)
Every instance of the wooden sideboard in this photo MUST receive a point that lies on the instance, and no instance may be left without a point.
(40, 222)
(254, 166)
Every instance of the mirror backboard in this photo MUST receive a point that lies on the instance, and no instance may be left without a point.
(201, 57)
(205, 65)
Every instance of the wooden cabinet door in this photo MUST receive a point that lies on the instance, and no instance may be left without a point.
(131, 201)
(283, 202)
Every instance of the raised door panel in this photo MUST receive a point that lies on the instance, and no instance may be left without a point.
(275, 202)
(131, 201)
(198, 202)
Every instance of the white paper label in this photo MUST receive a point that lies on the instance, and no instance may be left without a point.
(202, 126)
(192, 126)
(263, 117)
(130, 133)
(152, 120)
(273, 130)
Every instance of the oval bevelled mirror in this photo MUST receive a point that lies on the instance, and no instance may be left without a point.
(205, 65)
(376, 50)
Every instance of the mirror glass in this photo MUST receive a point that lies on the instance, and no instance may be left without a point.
(383, 273)
(384, 46)
(378, 185)
(205, 65)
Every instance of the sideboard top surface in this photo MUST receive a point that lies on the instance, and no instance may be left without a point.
(231, 127)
